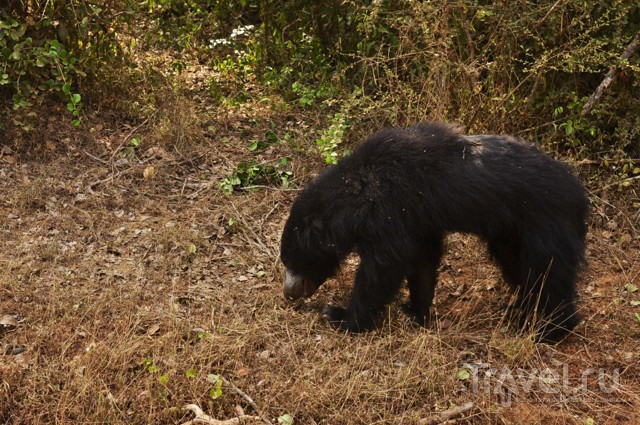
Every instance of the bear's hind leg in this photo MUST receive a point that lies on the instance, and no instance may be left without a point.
(542, 269)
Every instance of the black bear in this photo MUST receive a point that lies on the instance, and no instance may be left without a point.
(401, 190)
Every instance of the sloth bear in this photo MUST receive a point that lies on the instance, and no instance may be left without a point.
(400, 191)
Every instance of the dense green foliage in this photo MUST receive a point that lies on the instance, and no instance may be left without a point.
(516, 67)
(47, 48)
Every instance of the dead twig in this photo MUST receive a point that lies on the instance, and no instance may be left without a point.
(203, 418)
(555, 5)
(441, 417)
(628, 179)
(610, 161)
(126, 138)
(611, 75)
(246, 397)
(95, 158)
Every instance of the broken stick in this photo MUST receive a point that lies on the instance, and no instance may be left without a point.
(611, 75)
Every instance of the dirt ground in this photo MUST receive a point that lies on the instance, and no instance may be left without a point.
(131, 286)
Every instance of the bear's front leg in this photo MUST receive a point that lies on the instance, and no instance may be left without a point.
(375, 287)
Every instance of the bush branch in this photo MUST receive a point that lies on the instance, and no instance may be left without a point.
(611, 75)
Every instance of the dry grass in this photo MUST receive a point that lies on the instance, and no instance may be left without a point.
(110, 306)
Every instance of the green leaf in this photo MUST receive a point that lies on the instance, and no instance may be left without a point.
(164, 379)
(589, 421)
(463, 374)
(191, 248)
(76, 98)
(285, 419)
(216, 391)
(638, 317)
(634, 303)
(154, 369)
(66, 88)
(191, 373)
(631, 288)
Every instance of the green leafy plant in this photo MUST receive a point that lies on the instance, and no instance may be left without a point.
(285, 419)
(250, 173)
(576, 127)
(308, 96)
(37, 59)
(216, 391)
(150, 366)
(628, 173)
(241, 58)
(463, 374)
(204, 335)
(331, 138)
(73, 105)
(270, 138)
(133, 144)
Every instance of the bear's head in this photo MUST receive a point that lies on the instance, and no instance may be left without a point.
(308, 251)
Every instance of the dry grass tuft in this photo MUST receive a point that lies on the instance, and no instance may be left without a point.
(123, 292)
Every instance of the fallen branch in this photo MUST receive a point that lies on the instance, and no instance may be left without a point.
(611, 75)
(628, 179)
(203, 418)
(608, 161)
(441, 417)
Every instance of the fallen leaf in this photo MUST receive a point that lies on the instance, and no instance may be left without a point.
(243, 371)
(625, 239)
(285, 419)
(149, 172)
(22, 360)
(80, 371)
(8, 321)
(11, 159)
(153, 329)
(459, 290)
(158, 152)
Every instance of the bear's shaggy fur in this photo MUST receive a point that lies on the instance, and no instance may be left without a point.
(401, 190)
